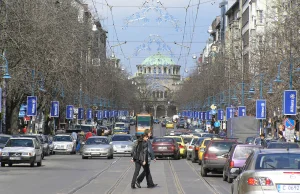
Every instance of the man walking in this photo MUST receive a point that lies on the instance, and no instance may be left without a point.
(151, 156)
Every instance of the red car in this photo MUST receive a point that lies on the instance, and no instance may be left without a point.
(165, 147)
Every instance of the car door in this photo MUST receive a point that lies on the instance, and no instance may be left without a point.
(228, 159)
(38, 150)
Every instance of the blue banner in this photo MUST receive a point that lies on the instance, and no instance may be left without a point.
(54, 109)
(100, 114)
(89, 114)
(22, 112)
(183, 113)
(111, 114)
(31, 105)
(229, 113)
(290, 102)
(97, 114)
(220, 114)
(105, 114)
(204, 116)
(199, 115)
(116, 113)
(261, 107)
(80, 114)
(242, 111)
(207, 115)
(196, 115)
(69, 112)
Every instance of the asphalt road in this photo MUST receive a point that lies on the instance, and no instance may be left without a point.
(68, 174)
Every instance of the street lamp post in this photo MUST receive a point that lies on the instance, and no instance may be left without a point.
(5, 77)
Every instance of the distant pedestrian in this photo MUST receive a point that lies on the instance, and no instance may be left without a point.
(263, 142)
(24, 130)
(281, 137)
(140, 158)
(217, 125)
(88, 135)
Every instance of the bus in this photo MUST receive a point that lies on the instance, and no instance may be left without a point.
(143, 121)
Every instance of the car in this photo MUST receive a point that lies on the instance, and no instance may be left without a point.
(121, 128)
(198, 130)
(210, 135)
(122, 143)
(201, 149)
(50, 142)
(214, 157)
(3, 139)
(155, 121)
(83, 127)
(132, 121)
(21, 150)
(182, 124)
(236, 159)
(165, 147)
(40, 139)
(283, 145)
(169, 125)
(195, 149)
(190, 147)
(64, 143)
(250, 140)
(269, 171)
(181, 145)
(97, 146)
(163, 123)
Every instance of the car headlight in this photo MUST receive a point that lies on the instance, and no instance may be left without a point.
(87, 150)
(4, 154)
(69, 146)
(28, 154)
(45, 145)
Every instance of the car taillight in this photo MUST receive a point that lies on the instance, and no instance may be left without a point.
(196, 148)
(190, 147)
(181, 146)
(208, 155)
(259, 181)
(231, 164)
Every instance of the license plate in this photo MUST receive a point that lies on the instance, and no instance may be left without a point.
(288, 188)
(95, 153)
(162, 148)
(15, 158)
(123, 146)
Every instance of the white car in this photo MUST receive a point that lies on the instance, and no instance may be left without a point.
(122, 143)
(21, 150)
(64, 143)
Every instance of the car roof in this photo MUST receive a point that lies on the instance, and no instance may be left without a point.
(282, 143)
(173, 136)
(224, 140)
(122, 135)
(22, 138)
(5, 135)
(272, 151)
(63, 135)
(120, 122)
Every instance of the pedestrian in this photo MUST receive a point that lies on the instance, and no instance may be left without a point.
(151, 156)
(24, 130)
(217, 125)
(88, 135)
(140, 158)
(281, 137)
(263, 142)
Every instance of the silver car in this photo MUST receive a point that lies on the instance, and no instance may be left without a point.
(190, 147)
(21, 150)
(3, 139)
(97, 146)
(122, 144)
(269, 171)
(64, 143)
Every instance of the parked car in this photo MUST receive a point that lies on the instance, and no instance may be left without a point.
(97, 146)
(165, 147)
(214, 157)
(3, 140)
(269, 171)
(64, 143)
(21, 150)
(283, 145)
(122, 143)
(236, 159)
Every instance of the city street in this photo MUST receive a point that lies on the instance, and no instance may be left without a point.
(68, 174)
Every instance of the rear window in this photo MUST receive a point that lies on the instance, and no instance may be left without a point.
(278, 161)
(250, 139)
(243, 152)
(163, 140)
(206, 142)
(177, 139)
(282, 145)
(187, 139)
(224, 146)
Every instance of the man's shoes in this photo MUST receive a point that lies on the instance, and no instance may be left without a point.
(133, 187)
(138, 184)
(152, 186)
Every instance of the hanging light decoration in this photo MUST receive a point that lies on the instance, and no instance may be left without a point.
(155, 6)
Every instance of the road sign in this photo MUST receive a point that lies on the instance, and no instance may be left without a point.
(290, 102)
(261, 106)
(242, 111)
(69, 112)
(31, 105)
(54, 109)
(80, 114)
(229, 113)
(89, 114)
(220, 115)
(26, 118)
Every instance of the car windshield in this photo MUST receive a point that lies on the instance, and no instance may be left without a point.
(250, 140)
(121, 138)
(3, 140)
(96, 141)
(283, 145)
(243, 152)
(278, 161)
(177, 139)
(83, 128)
(163, 140)
(221, 146)
(62, 138)
(208, 135)
(120, 125)
(20, 143)
(144, 121)
(187, 139)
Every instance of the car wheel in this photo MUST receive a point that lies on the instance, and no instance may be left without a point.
(84, 157)
(229, 180)
(199, 162)
(193, 159)
(2, 164)
(39, 163)
(48, 152)
(10, 164)
(53, 152)
(32, 164)
(203, 171)
(224, 176)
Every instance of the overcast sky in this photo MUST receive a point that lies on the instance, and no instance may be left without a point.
(138, 32)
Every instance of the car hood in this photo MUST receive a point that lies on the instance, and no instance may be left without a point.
(122, 142)
(97, 146)
(2, 145)
(62, 142)
(17, 149)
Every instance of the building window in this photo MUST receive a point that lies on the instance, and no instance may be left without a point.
(161, 94)
(260, 40)
(141, 69)
(169, 71)
(166, 94)
(157, 94)
(165, 70)
(261, 16)
(154, 70)
(159, 70)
